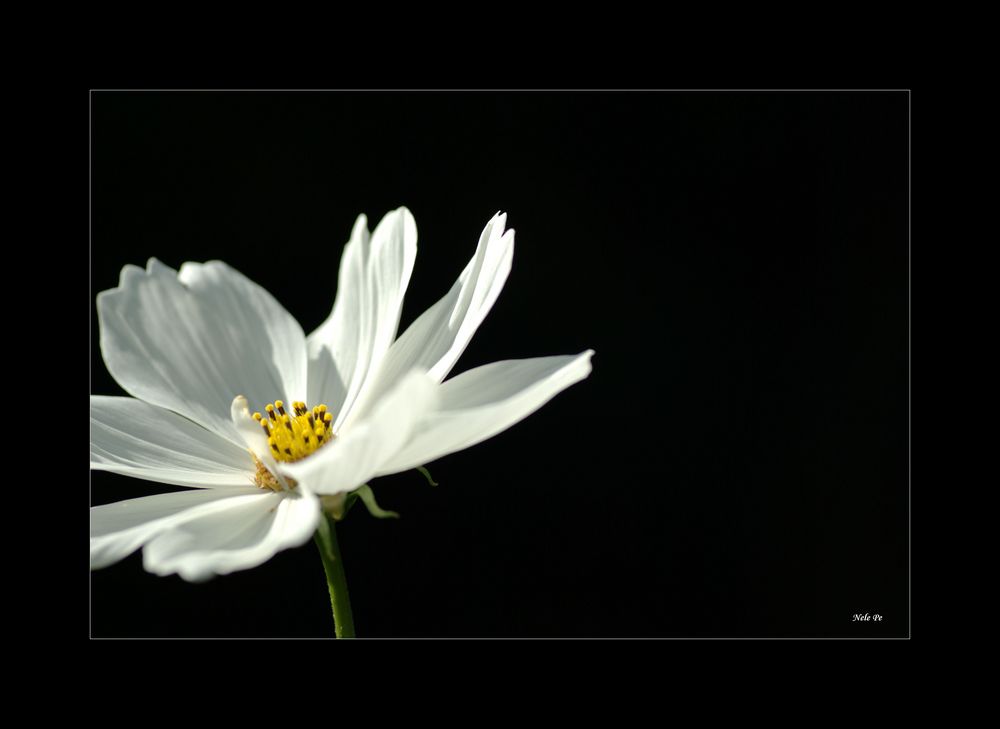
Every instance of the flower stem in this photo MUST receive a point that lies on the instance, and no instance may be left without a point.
(336, 580)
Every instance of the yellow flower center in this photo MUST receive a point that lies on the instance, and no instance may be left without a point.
(293, 437)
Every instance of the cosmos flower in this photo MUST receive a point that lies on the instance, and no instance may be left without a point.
(265, 426)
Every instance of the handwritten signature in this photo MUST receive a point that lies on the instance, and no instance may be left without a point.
(866, 618)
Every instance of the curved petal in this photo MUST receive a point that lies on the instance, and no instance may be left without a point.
(117, 530)
(346, 350)
(332, 341)
(254, 438)
(134, 438)
(436, 340)
(246, 534)
(350, 460)
(191, 341)
(482, 402)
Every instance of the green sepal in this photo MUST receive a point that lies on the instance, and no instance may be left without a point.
(338, 505)
(367, 496)
(427, 475)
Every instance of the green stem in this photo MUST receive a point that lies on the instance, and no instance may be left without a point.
(333, 564)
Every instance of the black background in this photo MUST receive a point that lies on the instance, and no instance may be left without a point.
(737, 463)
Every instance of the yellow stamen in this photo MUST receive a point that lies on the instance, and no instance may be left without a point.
(305, 429)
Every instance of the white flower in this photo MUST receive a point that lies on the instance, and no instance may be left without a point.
(200, 347)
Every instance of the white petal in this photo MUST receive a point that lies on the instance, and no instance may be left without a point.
(436, 340)
(253, 436)
(249, 429)
(134, 438)
(480, 403)
(245, 535)
(353, 458)
(117, 530)
(347, 349)
(335, 339)
(191, 341)
(326, 385)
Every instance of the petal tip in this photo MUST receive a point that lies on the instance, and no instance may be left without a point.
(360, 226)
(156, 267)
